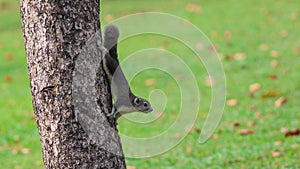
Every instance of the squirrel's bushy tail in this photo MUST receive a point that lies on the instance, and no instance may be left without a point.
(111, 35)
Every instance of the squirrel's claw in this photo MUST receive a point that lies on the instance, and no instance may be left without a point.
(113, 112)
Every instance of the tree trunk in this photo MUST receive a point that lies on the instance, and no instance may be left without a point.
(72, 136)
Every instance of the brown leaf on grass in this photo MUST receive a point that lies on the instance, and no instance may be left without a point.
(278, 143)
(273, 77)
(160, 115)
(279, 102)
(274, 63)
(214, 34)
(284, 130)
(276, 153)
(294, 15)
(177, 135)
(251, 123)
(16, 138)
(25, 150)
(4, 5)
(9, 57)
(232, 102)
(296, 50)
(254, 87)
(227, 35)
(252, 108)
(258, 115)
(200, 46)
(229, 56)
(283, 34)
(292, 133)
(245, 131)
(214, 136)
(15, 151)
(214, 48)
(188, 149)
(109, 17)
(166, 42)
(274, 53)
(197, 130)
(239, 56)
(189, 128)
(8, 78)
(150, 82)
(131, 167)
(209, 81)
(270, 93)
(236, 124)
(264, 47)
(194, 8)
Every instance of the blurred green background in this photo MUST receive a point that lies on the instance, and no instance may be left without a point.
(259, 45)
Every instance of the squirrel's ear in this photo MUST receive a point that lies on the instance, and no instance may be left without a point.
(111, 35)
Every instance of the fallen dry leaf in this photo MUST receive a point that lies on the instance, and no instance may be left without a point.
(16, 138)
(284, 130)
(8, 78)
(194, 8)
(278, 143)
(215, 47)
(283, 34)
(131, 167)
(200, 46)
(274, 53)
(258, 115)
(296, 50)
(279, 102)
(264, 47)
(214, 34)
(294, 15)
(236, 124)
(177, 135)
(276, 153)
(150, 82)
(274, 63)
(251, 124)
(227, 35)
(229, 56)
(273, 77)
(292, 133)
(197, 130)
(214, 136)
(209, 81)
(188, 149)
(270, 93)
(254, 87)
(252, 108)
(232, 102)
(189, 129)
(239, 56)
(160, 115)
(109, 17)
(245, 131)
(9, 57)
(25, 150)
(15, 151)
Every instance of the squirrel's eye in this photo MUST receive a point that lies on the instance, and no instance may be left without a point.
(137, 100)
(145, 104)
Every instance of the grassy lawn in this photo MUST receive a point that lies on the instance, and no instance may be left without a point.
(258, 41)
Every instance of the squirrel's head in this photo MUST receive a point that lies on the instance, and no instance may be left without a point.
(142, 105)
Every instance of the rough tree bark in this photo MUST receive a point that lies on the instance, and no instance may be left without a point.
(54, 33)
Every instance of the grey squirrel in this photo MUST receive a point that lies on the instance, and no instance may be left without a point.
(124, 100)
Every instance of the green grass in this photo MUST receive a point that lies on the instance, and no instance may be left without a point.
(251, 24)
